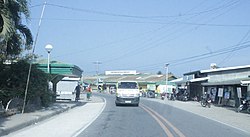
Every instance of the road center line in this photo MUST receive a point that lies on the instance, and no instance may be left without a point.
(154, 113)
(166, 130)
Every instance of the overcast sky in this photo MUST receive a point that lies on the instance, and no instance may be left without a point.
(143, 35)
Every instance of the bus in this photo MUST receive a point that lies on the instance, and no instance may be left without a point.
(127, 93)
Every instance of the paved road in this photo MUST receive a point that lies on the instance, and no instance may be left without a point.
(224, 115)
(122, 121)
(193, 125)
(155, 118)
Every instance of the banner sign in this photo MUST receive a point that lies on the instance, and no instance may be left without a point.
(239, 92)
(220, 92)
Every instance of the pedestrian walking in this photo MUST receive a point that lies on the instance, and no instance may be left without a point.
(89, 91)
(77, 91)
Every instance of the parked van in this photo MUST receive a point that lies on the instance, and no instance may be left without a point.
(127, 92)
(66, 88)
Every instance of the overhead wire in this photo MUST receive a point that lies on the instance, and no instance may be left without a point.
(222, 51)
(143, 45)
(111, 14)
(180, 32)
(132, 16)
(37, 5)
(158, 40)
(178, 22)
(135, 16)
(135, 50)
(231, 54)
(212, 55)
(145, 22)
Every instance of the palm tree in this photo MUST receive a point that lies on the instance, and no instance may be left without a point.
(14, 36)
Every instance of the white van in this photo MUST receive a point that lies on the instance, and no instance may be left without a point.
(127, 92)
(66, 88)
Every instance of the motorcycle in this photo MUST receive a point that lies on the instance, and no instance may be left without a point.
(185, 98)
(244, 106)
(206, 102)
(171, 97)
(163, 95)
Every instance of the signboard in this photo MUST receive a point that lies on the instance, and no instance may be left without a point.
(151, 87)
(239, 92)
(220, 92)
(121, 72)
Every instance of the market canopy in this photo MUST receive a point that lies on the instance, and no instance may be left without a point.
(59, 68)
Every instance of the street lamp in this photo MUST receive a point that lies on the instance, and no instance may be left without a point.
(97, 63)
(166, 67)
(48, 49)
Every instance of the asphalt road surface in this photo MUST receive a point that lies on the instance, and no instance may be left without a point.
(150, 119)
(153, 119)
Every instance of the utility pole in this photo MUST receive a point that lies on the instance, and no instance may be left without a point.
(97, 63)
(166, 67)
(33, 51)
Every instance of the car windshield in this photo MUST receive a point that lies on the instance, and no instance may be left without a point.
(127, 85)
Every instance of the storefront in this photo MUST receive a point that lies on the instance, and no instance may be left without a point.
(246, 83)
(225, 85)
(224, 94)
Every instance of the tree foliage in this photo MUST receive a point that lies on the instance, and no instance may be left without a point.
(14, 36)
(159, 73)
(13, 79)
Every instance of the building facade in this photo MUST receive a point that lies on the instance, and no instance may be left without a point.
(226, 86)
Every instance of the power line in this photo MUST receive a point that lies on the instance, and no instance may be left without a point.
(145, 48)
(230, 55)
(136, 16)
(158, 43)
(145, 22)
(212, 55)
(181, 61)
(38, 5)
(160, 40)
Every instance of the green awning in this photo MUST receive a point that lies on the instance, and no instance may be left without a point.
(60, 68)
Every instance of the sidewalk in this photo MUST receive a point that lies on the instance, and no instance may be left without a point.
(19, 121)
(224, 115)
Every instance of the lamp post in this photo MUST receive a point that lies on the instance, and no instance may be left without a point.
(166, 67)
(97, 63)
(48, 49)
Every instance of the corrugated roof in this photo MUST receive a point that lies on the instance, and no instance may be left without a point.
(225, 82)
(199, 79)
(139, 78)
(224, 69)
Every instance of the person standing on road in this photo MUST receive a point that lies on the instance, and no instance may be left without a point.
(77, 91)
(89, 90)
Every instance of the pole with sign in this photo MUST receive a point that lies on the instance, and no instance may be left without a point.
(239, 94)
(220, 95)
